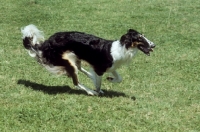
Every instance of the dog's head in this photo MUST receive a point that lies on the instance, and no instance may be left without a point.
(134, 39)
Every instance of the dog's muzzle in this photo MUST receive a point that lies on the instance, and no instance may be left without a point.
(148, 49)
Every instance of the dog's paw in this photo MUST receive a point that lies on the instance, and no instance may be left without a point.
(101, 92)
(77, 87)
(95, 93)
(91, 92)
(114, 80)
(110, 79)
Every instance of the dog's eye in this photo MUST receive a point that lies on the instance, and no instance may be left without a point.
(140, 37)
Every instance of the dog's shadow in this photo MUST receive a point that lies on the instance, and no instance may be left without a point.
(65, 89)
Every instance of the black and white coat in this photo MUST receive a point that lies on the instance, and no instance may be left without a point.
(63, 52)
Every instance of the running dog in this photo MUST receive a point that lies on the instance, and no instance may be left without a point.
(63, 52)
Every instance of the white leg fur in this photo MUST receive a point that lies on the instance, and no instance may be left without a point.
(90, 75)
(97, 81)
(89, 91)
(98, 84)
(95, 78)
(117, 78)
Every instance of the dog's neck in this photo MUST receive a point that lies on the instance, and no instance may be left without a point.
(121, 54)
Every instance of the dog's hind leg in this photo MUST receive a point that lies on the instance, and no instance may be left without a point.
(80, 86)
(72, 66)
(87, 73)
(95, 78)
(92, 75)
(89, 91)
(74, 76)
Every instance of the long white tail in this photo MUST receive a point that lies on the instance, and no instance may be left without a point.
(31, 31)
(32, 36)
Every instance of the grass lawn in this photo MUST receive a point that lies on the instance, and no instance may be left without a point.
(165, 86)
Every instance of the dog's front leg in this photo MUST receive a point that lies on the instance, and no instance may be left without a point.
(98, 84)
(97, 81)
(116, 79)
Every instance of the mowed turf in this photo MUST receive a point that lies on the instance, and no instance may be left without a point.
(160, 92)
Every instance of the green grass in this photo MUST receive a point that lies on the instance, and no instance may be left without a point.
(166, 85)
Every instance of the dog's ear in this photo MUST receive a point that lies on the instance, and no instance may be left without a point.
(130, 37)
(132, 31)
(125, 39)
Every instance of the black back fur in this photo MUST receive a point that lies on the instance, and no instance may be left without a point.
(94, 50)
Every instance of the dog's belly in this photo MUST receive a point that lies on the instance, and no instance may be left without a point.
(58, 70)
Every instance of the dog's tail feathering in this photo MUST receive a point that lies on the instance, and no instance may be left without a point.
(32, 38)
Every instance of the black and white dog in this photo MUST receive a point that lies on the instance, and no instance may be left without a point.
(63, 52)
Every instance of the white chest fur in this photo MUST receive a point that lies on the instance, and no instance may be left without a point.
(120, 55)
